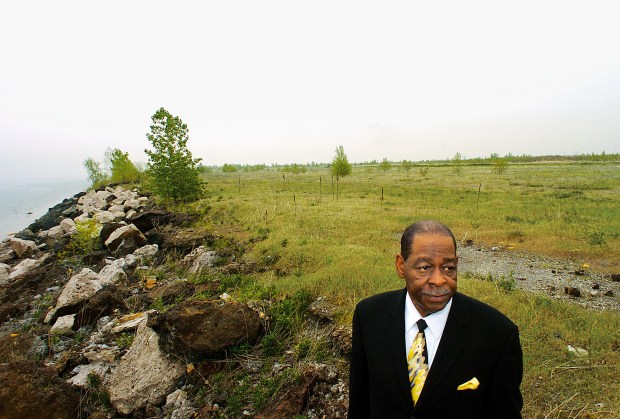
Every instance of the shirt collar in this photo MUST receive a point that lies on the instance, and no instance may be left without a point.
(435, 322)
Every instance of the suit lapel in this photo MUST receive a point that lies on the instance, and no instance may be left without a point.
(453, 341)
(395, 342)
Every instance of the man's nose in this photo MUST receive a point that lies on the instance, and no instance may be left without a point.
(437, 278)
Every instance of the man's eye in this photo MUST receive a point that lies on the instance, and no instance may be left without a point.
(448, 268)
(424, 268)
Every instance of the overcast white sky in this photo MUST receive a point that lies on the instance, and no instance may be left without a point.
(288, 81)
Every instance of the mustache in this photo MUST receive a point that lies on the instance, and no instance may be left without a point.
(436, 292)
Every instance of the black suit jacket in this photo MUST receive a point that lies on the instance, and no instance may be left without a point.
(478, 341)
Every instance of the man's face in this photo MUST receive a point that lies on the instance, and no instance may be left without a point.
(429, 272)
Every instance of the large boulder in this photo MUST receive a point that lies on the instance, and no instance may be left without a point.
(148, 220)
(24, 267)
(145, 374)
(199, 329)
(23, 248)
(125, 240)
(103, 303)
(80, 288)
(33, 391)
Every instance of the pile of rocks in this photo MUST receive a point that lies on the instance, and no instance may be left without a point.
(70, 326)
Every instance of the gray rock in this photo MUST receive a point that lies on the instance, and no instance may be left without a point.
(53, 233)
(23, 248)
(64, 325)
(5, 270)
(200, 259)
(111, 274)
(125, 240)
(145, 374)
(25, 266)
(80, 288)
(68, 225)
(199, 329)
(147, 253)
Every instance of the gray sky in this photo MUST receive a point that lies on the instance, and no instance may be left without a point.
(288, 81)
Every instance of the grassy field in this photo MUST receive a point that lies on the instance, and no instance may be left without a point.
(344, 248)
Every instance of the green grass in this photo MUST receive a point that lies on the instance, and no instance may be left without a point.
(344, 249)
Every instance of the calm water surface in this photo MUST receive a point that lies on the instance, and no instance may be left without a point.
(21, 205)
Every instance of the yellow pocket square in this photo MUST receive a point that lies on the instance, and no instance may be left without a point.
(470, 385)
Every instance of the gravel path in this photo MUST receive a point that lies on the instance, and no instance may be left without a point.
(543, 275)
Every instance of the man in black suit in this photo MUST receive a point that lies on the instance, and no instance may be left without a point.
(472, 360)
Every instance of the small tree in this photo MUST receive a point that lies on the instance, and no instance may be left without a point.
(340, 165)
(385, 165)
(121, 168)
(173, 171)
(96, 175)
(456, 164)
(406, 165)
(229, 168)
(499, 166)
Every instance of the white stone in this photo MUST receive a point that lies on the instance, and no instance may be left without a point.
(147, 253)
(4, 273)
(130, 322)
(80, 287)
(55, 232)
(118, 215)
(23, 248)
(83, 371)
(115, 239)
(104, 217)
(64, 325)
(111, 274)
(145, 374)
(117, 208)
(68, 225)
(24, 266)
(130, 214)
(43, 234)
(580, 352)
(82, 217)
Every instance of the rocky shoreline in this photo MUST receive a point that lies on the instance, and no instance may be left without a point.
(101, 316)
(110, 334)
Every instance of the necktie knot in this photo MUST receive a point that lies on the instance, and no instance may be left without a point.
(421, 325)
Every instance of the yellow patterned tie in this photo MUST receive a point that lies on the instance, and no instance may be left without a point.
(416, 358)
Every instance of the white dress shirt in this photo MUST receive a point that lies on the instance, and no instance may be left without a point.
(435, 322)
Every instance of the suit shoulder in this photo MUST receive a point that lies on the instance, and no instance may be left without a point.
(483, 312)
(379, 300)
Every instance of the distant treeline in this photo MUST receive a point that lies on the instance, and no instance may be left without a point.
(297, 168)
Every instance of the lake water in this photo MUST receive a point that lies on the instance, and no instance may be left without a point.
(20, 205)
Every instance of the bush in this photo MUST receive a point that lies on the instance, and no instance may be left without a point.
(121, 168)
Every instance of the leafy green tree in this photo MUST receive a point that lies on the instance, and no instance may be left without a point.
(229, 168)
(121, 168)
(499, 166)
(385, 165)
(340, 165)
(96, 174)
(174, 172)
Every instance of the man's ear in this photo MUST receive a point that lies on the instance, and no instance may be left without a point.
(400, 266)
